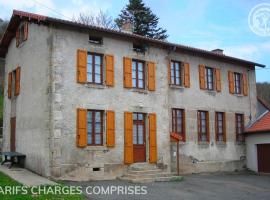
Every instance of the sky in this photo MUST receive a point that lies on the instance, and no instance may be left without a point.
(207, 24)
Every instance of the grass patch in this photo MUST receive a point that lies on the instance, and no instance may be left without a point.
(177, 179)
(7, 181)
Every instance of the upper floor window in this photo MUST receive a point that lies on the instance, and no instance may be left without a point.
(95, 40)
(138, 74)
(94, 68)
(178, 122)
(209, 78)
(203, 126)
(139, 48)
(220, 127)
(176, 73)
(237, 83)
(239, 125)
(21, 33)
(94, 127)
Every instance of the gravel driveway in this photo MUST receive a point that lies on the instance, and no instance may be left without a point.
(240, 185)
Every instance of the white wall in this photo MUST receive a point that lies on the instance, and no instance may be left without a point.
(252, 140)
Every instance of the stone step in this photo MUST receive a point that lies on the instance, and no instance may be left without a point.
(142, 172)
(153, 175)
(142, 166)
(150, 180)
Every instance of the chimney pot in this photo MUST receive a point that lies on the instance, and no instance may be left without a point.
(127, 26)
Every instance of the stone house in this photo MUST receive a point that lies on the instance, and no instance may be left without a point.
(85, 102)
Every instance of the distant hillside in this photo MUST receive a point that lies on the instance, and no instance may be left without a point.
(263, 91)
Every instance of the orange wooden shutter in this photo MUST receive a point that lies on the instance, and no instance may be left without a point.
(25, 31)
(245, 84)
(152, 138)
(17, 37)
(81, 127)
(127, 62)
(186, 75)
(81, 66)
(110, 128)
(169, 71)
(109, 59)
(218, 80)
(202, 76)
(151, 76)
(231, 82)
(17, 80)
(128, 149)
(9, 84)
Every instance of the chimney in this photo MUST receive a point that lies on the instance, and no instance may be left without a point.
(127, 26)
(218, 51)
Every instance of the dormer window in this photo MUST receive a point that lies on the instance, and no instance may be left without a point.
(95, 40)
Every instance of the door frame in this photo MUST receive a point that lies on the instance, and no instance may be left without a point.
(138, 146)
(12, 134)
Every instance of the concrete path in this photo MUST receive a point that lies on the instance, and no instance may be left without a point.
(25, 177)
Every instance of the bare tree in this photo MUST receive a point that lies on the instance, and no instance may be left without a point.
(102, 19)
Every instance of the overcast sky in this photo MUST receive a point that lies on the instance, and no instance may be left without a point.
(206, 24)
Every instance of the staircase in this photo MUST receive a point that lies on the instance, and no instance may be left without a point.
(146, 173)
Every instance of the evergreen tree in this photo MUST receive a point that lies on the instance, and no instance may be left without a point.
(144, 21)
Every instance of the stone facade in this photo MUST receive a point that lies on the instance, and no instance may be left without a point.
(50, 95)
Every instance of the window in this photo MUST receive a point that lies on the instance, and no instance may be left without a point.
(21, 34)
(94, 127)
(138, 74)
(95, 40)
(138, 128)
(239, 125)
(140, 48)
(209, 78)
(176, 73)
(237, 83)
(203, 126)
(94, 68)
(220, 127)
(178, 122)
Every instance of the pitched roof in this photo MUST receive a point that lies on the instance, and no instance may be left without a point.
(262, 124)
(17, 16)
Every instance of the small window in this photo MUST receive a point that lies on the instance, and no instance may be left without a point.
(95, 127)
(95, 40)
(176, 73)
(239, 125)
(138, 74)
(237, 83)
(178, 121)
(20, 34)
(139, 48)
(94, 68)
(203, 126)
(209, 78)
(220, 126)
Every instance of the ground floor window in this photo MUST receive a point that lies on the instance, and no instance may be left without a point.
(239, 125)
(178, 122)
(138, 128)
(220, 127)
(95, 127)
(203, 126)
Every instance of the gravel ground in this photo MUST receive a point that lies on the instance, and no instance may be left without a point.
(227, 186)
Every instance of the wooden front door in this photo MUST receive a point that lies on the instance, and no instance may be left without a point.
(13, 134)
(139, 148)
(263, 152)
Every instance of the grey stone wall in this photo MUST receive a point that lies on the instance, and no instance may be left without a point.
(32, 106)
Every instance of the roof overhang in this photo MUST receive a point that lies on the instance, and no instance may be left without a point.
(17, 16)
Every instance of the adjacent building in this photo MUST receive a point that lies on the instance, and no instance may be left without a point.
(85, 102)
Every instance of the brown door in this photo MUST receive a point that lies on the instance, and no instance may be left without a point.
(139, 149)
(12, 134)
(263, 153)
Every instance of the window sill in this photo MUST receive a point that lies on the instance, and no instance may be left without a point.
(240, 143)
(176, 87)
(203, 144)
(96, 86)
(211, 92)
(97, 148)
(238, 95)
(220, 143)
(142, 91)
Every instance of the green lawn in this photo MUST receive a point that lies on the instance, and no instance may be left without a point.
(7, 181)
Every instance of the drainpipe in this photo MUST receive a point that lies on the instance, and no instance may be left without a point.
(177, 157)
(249, 95)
